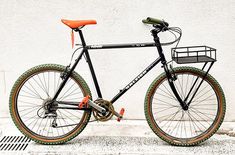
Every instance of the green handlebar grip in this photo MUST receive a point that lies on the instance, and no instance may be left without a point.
(147, 22)
(151, 20)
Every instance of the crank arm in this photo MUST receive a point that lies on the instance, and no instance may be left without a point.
(97, 107)
(117, 114)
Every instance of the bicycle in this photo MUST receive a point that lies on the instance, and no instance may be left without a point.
(184, 106)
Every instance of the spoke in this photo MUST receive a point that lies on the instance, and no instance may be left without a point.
(192, 82)
(204, 104)
(204, 100)
(28, 106)
(58, 84)
(48, 81)
(39, 126)
(202, 91)
(72, 113)
(25, 109)
(166, 96)
(186, 88)
(45, 83)
(33, 95)
(30, 103)
(203, 95)
(168, 114)
(29, 96)
(39, 85)
(178, 123)
(176, 86)
(48, 131)
(26, 120)
(72, 99)
(33, 91)
(171, 119)
(185, 130)
(70, 95)
(44, 88)
(164, 109)
(162, 102)
(193, 123)
(27, 112)
(68, 116)
(45, 126)
(198, 120)
(61, 128)
(164, 105)
(36, 122)
(54, 82)
(197, 111)
(204, 108)
(181, 87)
(63, 119)
(167, 93)
(67, 91)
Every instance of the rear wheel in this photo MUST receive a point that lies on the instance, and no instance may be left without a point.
(181, 127)
(29, 100)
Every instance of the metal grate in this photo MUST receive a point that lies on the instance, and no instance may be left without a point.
(193, 54)
(14, 143)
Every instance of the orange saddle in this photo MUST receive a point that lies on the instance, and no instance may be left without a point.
(77, 23)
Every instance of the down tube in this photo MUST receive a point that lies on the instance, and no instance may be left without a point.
(133, 82)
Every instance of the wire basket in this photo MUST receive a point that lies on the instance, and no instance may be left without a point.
(193, 54)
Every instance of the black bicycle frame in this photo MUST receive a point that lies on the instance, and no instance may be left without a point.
(85, 52)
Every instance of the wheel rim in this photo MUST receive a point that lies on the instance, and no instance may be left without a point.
(177, 123)
(31, 95)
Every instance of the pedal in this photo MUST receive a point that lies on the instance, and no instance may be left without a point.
(84, 102)
(121, 113)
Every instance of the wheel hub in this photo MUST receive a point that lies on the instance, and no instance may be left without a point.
(46, 104)
(49, 107)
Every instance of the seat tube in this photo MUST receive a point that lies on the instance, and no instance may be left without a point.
(88, 59)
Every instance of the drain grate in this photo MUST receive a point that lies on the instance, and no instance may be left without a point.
(14, 143)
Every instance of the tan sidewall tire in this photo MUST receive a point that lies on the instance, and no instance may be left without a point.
(12, 105)
(193, 141)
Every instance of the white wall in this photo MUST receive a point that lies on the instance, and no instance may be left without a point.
(31, 33)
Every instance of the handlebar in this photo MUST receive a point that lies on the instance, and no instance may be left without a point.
(162, 26)
(150, 20)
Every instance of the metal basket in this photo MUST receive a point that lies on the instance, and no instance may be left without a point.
(193, 54)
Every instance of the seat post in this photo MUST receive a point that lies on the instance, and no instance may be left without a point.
(81, 37)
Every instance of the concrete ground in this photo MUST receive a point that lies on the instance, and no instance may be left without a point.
(126, 137)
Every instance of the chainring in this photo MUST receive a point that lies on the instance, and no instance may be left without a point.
(109, 110)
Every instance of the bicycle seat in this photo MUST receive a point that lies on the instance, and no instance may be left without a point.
(77, 23)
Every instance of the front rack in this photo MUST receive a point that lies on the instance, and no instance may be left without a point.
(193, 54)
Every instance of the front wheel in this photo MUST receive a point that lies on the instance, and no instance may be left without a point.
(29, 100)
(181, 127)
